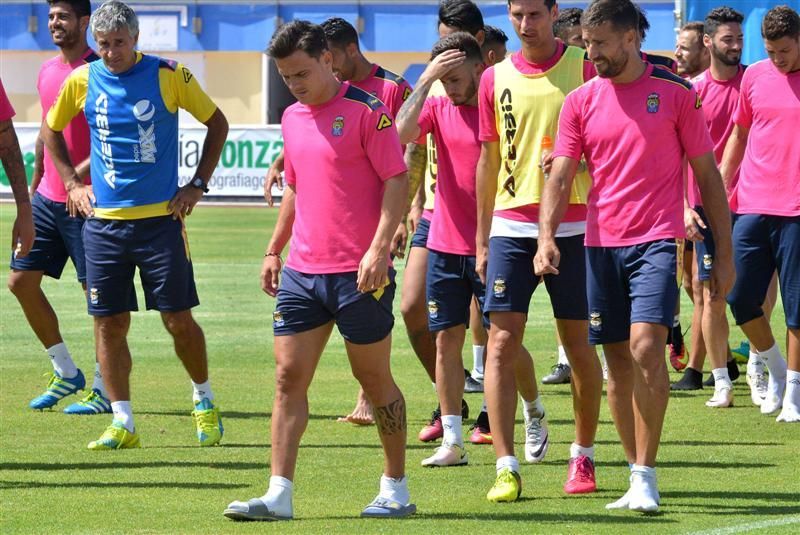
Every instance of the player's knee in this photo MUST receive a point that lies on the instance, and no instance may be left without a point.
(505, 345)
(289, 380)
(645, 348)
(112, 327)
(179, 324)
(19, 284)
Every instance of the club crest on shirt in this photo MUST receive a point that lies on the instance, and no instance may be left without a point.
(499, 288)
(277, 319)
(433, 309)
(337, 129)
(653, 103)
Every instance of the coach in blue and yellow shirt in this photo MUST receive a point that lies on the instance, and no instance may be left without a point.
(135, 211)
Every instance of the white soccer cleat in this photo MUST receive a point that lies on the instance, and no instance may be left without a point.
(447, 455)
(774, 399)
(789, 414)
(537, 439)
(644, 493)
(723, 397)
(622, 503)
(757, 380)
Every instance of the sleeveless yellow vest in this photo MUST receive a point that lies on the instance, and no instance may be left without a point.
(527, 107)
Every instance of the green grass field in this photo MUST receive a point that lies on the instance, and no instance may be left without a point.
(717, 468)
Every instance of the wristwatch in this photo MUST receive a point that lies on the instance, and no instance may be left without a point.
(198, 183)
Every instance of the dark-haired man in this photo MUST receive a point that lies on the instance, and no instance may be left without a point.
(344, 280)
(567, 26)
(520, 100)
(764, 148)
(58, 236)
(632, 256)
(494, 45)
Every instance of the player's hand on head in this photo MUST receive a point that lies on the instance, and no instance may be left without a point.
(373, 271)
(270, 274)
(399, 240)
(693, 223)
(547, 258)
(444, 62)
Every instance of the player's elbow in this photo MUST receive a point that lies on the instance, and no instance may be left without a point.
(217, 125)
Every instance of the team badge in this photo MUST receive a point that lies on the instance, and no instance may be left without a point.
(433, 310)
(698, 102)
(595, 320)
(338, 126)
(277, 319)
(384, 122)
(499, 288)
(94, 296)
(406, 94)
(708, 261)
(653, 103)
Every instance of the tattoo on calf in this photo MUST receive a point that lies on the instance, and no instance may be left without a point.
(391, 419)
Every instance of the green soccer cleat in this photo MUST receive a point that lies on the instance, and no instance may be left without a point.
(115, 437)
(507, 487)
(207, 423)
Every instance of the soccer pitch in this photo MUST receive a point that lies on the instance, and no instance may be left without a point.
(720, 471)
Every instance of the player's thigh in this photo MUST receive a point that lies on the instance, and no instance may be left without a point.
(300, 304)
(412, 295)
(49, 253)
(71, 230)
(362, 318)
(787, 246)
(109, 267)
(510, 280)
(652, 269)
(297, 356)
(755, 265)
(567, 290)
(607, 296)
(448, 291)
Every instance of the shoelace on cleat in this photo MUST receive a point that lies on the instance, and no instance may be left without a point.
(583, 469)
(205, 419)
(534, 429)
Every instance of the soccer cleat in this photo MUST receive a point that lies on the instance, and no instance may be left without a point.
(723, 397)
(115, 437)
(774, 399)
(691, 380)
(58, 388)
(447, 455)
(93, 403)
(560, 374)
(473, 385)
(622, 503)
(741, 354)
(433, 430)
(644, 493)
(252, 510)
(207, 423)
(789, 414)
(580, 478)
(536, 439)
(385, 508)
(481, 433)
(678, 357)
(757, 380)
(507, 487)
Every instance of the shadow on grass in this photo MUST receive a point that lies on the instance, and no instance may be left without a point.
(556, 518)
(117, 465)
(121, 484)
(736, 495)
(683, 443)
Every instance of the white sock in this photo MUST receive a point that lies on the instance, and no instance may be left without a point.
(792, 396)
(509, 461)
(721, 379)
(644, 489)
(533, 409)
(123, 414)
(452, 429)
(676, 320)
(754, 364)
(576, 450)
(279, 496)
(202, 390)
(562, 356)
(395, 489)
(477, 359)
(775, 362)
(62, 361)
(97, 383)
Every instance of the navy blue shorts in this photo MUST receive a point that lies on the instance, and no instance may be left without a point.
(306, 302)
(625, 285)
(58, 238)
(451, 282)
(420, 237)
(157, 246)
(704, 250)
(762, 244)
(511, 281)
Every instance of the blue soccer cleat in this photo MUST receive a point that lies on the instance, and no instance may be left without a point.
(93, 403)
(57, 389)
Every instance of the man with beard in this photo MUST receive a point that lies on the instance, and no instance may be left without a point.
(634, 125)
(58, 236)
(690, 53)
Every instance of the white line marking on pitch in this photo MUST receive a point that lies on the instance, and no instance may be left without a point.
(742, 528)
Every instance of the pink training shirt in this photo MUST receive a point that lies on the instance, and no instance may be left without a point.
(488, 124)
(390, 88)
(769, 105)
(51, 75)
(6, 110)
(719, 102)
(455, 130)
(634, 137)
(338, 156)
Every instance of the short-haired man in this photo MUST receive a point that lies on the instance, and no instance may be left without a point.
(494, 45)
(691, 54)
(451, 281)
(567, 26)
(662, 62)
(764, 148)
(344, 280)
(135, 209)
(520, 100)
(58, 236)
(632, 252)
